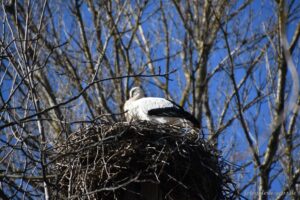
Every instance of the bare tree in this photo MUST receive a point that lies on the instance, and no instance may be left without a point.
(64, 64)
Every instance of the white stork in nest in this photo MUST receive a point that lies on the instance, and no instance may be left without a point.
(160, 110)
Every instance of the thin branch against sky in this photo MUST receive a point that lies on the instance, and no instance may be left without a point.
(233, 64)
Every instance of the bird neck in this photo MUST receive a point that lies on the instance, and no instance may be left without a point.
(139, 96)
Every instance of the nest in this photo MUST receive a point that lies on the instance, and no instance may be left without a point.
(139, 160)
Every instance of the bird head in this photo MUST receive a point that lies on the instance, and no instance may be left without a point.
(136, 93)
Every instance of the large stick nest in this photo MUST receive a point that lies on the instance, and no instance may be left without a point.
(119, 161)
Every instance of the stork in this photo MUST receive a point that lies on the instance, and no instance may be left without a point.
(159, 110)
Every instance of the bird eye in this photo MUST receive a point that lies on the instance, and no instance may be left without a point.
(133, 92)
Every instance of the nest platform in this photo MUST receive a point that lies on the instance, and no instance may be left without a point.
(140, 160)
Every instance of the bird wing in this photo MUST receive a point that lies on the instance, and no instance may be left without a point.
(173, 111)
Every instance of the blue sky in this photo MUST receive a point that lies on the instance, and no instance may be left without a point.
(260, 12)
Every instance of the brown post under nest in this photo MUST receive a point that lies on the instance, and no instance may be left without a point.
(137, 161)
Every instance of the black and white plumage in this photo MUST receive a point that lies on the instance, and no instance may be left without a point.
(160, 110)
